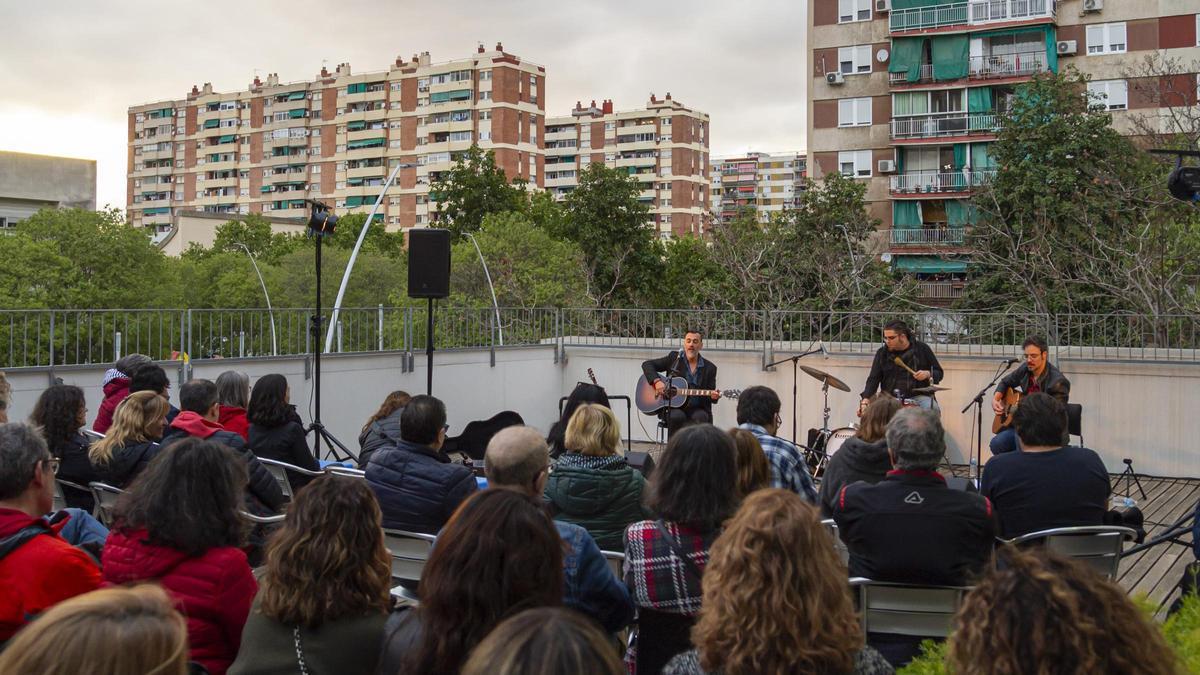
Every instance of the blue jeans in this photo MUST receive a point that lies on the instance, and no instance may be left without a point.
(82, 528)
(1005, 441)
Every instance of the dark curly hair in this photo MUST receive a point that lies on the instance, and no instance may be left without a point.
(57, 412)
(268, 402)
(696, 482)
(188, 498)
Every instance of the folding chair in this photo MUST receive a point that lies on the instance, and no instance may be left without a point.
(616, 563)
(907, 609)
(409, 552)
(106, 499)
(838, 545)
(280, 471)
(60, 497)
(1097, 546)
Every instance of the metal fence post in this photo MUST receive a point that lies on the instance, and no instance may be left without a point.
(558, 333)
(339, 335)
(51, 371)
(242, 344)
(768, 350)
(187, 370)
(379, 319)
(492, 338)
(116, 346)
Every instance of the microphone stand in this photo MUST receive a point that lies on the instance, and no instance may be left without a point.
(794, 360)
(978, 403)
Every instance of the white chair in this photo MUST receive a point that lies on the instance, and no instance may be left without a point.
(263, 520)
(106, 499)
(409, 552)
(907, 609)
(280, 471)
(345, 471)
(838, 545)
(60, 497)
(1097, 546)
(616, 563)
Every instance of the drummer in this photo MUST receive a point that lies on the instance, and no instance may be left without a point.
(902, 365)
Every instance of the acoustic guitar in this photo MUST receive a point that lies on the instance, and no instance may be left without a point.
(1011, 399)
(675, 395)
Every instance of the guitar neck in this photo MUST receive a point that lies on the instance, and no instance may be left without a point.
(694, 392)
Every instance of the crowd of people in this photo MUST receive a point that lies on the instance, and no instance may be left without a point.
(727, 563)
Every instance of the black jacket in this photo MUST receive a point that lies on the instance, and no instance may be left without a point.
(379, 434)
(856, 460)
(285, 443)
(887, 376)
(126, 463)
(77, 468)
(418, 487)
(1051, 382)
(911, 528)
(263, 492)
(706, 377)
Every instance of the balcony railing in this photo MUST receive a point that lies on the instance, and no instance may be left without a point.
(940, 290)
(987, 11)
(923, 182)
(940, 125)
(963, 13)
(929, 236)
(987, 67)
(919, 18)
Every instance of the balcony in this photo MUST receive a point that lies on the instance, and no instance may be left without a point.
(978, 12)
(940, 291)
(941, 235)
(919, 183)
(943, 125)
(985, 67)
(991, 11)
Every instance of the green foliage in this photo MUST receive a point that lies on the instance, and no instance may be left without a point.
(377, 279)
(687, 276)
(932, 660)
(473, 188)
(1182, 632)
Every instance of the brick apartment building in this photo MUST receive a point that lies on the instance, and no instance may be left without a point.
(767, 183)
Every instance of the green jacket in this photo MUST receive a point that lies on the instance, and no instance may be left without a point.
(600, 494)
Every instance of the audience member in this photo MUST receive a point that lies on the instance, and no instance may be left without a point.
(383, 428)
(518, 459)
(775, 598)
(324, 595)
(758, 413)
(592, 485)
(545, 641)
(37, 567)
(275, 429)
(498, 555)
(233, 395)
(417, 485)
(1048, 483)
(151, 377)
(863, 456)
(116, 387)
(132, 440)
(1037, 612)
(198, 419)
(582, 394)
(60, 412)
(179, 525)
(754, 472)
(115, 631)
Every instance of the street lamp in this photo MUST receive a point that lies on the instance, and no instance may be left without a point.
(492, 288)
(362, 235)
(270, 312)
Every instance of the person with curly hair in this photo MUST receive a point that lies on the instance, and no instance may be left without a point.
(324, 595)
(776, 599)
(1038, 613)
(383, 428)
(60, 412)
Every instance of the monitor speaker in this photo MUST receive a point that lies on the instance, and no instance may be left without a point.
(428, 263)
(642, 461)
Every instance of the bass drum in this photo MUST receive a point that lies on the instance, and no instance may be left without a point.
(836, 438)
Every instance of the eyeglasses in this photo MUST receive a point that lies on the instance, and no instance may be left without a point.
(53, 463)
(778, 419)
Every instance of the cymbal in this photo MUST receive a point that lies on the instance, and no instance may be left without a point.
(931, 389)
(825, 378)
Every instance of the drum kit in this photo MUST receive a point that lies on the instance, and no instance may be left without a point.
(825, 441)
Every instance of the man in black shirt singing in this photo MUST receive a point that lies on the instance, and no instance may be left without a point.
(920, 367)
(699, 373)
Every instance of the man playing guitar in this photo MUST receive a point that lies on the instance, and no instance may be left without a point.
(699, 373)
(902, 364)
(1036, 374)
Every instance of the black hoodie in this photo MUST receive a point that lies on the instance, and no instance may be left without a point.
(856, 460)
(126, 463)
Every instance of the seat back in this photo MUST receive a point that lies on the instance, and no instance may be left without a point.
(838, 545)
(661, 635)
(1097, 546)
(1075, 421)
(907, 609)
(279, 472)
(60, 500)
(105, 496)
(409, 552)
(616, 563)
(345, 471)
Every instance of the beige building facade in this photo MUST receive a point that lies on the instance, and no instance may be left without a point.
(766, 183)
(29, 183)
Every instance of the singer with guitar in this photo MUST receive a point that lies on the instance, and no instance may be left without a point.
(1036, 374)
(699, 373)
(902, 364)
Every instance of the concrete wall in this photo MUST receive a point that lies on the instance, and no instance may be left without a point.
(60, 181)
(1131, 409)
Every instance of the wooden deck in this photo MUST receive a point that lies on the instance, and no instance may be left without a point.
(1155, 572)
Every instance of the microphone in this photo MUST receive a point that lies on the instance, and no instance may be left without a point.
(1009, 362)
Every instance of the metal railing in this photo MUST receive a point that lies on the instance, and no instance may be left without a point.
(929, 236)
(940, 290)
(986, 11)
(975, 12)
(919, 18)
(939, 125)
(51, 338)
(921, 182)
(1009, 65)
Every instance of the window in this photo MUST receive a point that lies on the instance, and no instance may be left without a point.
(855, 163)
(485, 96)
(1112, 94)
(854, 10)
(485, 135)
(485, 75)
(854, 112)
(854, 60)
(1106, 38)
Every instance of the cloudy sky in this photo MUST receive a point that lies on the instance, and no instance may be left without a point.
(73, 67)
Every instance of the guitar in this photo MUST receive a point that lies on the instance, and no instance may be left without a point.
(592, 377)
(650, 402)
(1011, 399)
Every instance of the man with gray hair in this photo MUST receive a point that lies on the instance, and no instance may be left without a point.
(38, 569)
(518, 459)
(911, 527)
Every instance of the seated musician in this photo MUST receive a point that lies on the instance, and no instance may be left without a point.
(1036, 374)
(699, 373)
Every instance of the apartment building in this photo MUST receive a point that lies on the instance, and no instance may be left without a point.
(335, 138)
(767, 183)
(908, 94)
(664, 146)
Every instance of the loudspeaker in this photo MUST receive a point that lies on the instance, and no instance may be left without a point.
(963, 484)
(428, 263)
(642, 461)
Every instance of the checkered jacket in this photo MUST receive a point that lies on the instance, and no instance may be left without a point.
(658, 578)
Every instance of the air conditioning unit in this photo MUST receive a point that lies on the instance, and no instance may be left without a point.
(883, 5)
(887, 166)
(835, 78)
(1093, 5)
(1067, 47)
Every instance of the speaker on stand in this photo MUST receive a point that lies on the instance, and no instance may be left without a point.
(429, 278)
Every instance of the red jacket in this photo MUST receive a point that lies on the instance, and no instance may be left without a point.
(234, 419)
(214, 590)
(115, 391)
(41, 572)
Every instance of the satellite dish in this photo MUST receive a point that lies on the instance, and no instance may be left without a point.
(885, 257)
(881, 55)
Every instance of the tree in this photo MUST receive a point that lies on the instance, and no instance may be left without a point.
(1168, 84)
(471, 189)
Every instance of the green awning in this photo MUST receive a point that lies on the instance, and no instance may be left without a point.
(359, 88)
(927, 264)
(366, 143)
(212, 124)
(460, 95)
(156, 211)
(960, 212)
(356, 126)
(355, 201)
(296, 96)
(950, 56)
(297, 113)
(227, 139)
(906, 57)
(906, 214)
(266, 188)
(214, 158)
(162, 112)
